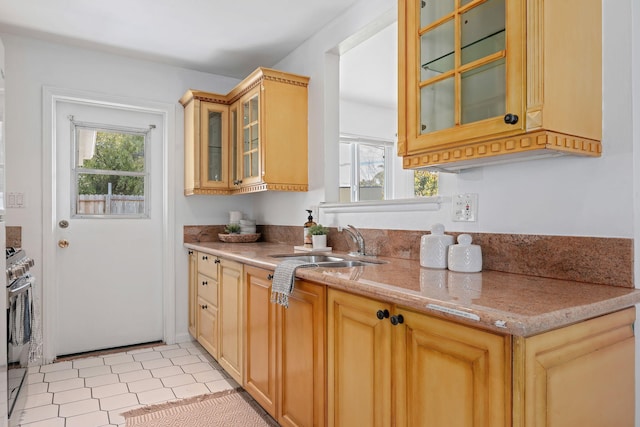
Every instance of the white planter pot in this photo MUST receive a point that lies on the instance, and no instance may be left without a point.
(319, 241)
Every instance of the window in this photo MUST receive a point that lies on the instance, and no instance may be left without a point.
(110, 175)
(363, 163)
(367, 173)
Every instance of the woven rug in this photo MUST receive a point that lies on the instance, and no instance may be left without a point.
(226, 408)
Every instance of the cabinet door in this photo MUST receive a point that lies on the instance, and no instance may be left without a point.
(459, 75)
(214, 143)
(582, 375)
(449, 375)
(249, 138)
(192, 283)
(260, 341)
(301, 357)
(230, 318)
(208, 326)
(358, 362)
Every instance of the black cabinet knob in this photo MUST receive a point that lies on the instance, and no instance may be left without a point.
(204, 257)
(204, 306)
(269, 276)
(511, 119)
(396, 320)
(382, 314)
(217, 261)
(205, 283)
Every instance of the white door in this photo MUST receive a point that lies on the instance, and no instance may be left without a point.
(109, 255)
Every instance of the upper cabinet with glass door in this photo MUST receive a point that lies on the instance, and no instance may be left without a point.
(206, 143)
(489, 81)
(252, 139)
(270, 120)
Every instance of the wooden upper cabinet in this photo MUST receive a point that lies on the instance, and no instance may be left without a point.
(486, 81)
(252, 139)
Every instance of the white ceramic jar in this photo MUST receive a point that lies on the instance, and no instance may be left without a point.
(465, 257)
(434, 247)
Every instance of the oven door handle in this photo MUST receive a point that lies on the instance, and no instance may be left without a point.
(21, 288)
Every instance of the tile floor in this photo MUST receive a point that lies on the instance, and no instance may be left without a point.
(93, 391)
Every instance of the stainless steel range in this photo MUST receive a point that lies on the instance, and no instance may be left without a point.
(19, 329)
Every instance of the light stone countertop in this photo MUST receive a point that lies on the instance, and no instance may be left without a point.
(501, 302)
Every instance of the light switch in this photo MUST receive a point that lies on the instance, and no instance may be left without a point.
(15, 200)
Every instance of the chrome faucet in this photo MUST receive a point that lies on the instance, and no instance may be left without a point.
(357, 238)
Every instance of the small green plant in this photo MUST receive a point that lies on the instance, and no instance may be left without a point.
(232, 229)
(318, 230)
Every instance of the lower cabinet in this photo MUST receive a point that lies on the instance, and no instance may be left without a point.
(192, 283)
(284, 348)
(231, 319)
(582, 375)
(391, 366)
(216, 309)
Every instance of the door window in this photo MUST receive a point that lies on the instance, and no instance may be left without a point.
(110, 172)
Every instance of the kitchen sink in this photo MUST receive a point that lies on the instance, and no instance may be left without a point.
(324, 260)
(309, 258)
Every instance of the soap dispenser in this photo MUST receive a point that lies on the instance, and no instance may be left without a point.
(307, 237)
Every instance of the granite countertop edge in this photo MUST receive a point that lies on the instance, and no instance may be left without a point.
(506, 303)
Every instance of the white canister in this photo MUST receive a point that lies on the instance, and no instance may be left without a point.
(434, 247)
(465, 257)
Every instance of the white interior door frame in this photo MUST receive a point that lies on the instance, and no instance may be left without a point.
(51, 97)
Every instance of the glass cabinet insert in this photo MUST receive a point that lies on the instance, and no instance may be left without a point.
(462, 62)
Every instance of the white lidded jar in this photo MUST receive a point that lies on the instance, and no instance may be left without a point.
(465, 257)
(434, 247)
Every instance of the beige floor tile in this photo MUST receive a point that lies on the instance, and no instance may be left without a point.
(118, 359)
(170, 354)
(37, 388)
(129, 377)
(190, 390)
(74, 395)
(156, 396)
(41, 399)
(167, 371)
(61, 366)
(94, 371)
(149, 355)
(39, 413)
(185, 360)
(178, 380)
(101, 380)
(197, 367)
(50, 377)
(89, 362)
(122, 368)
(51, 422)
(119, 401)
(208, 376)
(109, 390)
(155, 364)
(145, 385)
(80, 407)
(70, 384)
(92, 419)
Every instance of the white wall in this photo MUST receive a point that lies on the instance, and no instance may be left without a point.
(32, 64)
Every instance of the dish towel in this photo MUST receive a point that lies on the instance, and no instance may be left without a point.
(20, 318)
(283, 279)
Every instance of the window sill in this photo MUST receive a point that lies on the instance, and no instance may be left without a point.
(420, 204)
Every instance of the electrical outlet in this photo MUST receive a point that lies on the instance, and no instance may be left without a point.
(15, 200)
(464, 207)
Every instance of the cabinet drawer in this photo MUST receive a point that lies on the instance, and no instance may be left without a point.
(208, 289)
(208, 265)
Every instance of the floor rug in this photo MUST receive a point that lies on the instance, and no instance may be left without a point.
(227, 408)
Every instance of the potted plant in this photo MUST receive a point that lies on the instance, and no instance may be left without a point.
(232, 229)
(319, 235)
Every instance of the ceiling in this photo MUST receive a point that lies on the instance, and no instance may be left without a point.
(229, 38)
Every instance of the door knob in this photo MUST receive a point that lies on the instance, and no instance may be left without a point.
(63, 243)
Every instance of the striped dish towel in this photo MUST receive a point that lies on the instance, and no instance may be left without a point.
(283, 279)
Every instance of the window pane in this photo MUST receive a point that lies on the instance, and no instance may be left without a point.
(425, 183)
(100, 194)
(371, 172)
(108, 150)
(215, 146)
(434, 9)
(437, 106)
(436, 50)
(484, 92)
(483, 30)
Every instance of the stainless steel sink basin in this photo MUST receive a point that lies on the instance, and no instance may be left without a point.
(309, 258)
(324, 260)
